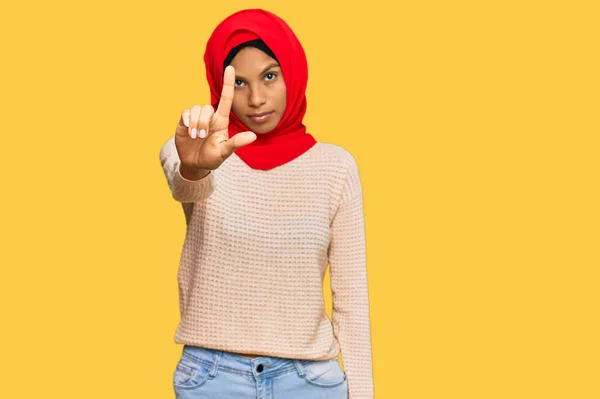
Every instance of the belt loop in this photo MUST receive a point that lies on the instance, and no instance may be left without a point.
(216, 359)
(300, 368)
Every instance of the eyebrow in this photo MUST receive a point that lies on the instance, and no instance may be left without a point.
(264, 70)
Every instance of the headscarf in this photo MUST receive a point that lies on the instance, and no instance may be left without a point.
(289, 139)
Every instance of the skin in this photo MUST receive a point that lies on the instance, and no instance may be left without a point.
(259, 87)
(202, 139)
(252, 84)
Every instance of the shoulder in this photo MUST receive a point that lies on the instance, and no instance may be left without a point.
(336, 155)
(344, 166)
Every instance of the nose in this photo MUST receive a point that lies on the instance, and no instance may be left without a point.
(257, 97)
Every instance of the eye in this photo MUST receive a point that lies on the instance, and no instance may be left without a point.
(271, 74)
(238, 83)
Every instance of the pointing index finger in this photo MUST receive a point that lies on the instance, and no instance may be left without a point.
(226, 100)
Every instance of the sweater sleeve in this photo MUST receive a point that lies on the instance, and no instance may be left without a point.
(349, 287)
(182, 189)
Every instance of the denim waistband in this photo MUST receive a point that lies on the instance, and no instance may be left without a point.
(259, 367)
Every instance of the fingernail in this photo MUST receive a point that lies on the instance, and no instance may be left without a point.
(193, 132)
(202, 133)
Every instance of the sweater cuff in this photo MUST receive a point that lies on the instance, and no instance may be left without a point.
(185, 190)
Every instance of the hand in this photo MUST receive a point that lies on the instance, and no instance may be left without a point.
(211, 148)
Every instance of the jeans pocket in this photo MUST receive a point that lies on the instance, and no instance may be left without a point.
(324, 373)
(190, 374)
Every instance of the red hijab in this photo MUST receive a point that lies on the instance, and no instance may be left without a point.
(289, 139)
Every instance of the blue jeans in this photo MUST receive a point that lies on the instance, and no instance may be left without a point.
(209, 373)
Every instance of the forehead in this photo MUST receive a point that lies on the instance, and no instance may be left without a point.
(250, 59)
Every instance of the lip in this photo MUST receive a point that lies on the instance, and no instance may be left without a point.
(260, 118)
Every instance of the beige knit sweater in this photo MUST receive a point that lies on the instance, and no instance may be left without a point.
(255, 253)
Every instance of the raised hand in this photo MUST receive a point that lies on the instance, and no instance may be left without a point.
(202, 139)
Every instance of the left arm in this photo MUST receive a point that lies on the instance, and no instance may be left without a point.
(349, 287)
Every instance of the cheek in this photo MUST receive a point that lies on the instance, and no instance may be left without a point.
(237, 107)
(283, 99)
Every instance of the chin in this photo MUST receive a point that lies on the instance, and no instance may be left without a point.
(262, 129)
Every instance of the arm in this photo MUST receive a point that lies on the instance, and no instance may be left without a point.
(349, 287)
(195, 186)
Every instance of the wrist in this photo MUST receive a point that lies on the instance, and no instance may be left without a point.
(192, 173)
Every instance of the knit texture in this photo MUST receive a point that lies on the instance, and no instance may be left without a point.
(256, 250)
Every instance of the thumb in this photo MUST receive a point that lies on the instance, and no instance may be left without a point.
(239, 140)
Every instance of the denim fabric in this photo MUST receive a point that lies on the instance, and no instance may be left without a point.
(209, 373)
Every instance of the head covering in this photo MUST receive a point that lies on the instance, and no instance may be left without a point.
(289, 139)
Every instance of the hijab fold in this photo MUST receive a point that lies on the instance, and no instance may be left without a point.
(289, 139)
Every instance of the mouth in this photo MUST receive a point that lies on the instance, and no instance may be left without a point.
(260, 118)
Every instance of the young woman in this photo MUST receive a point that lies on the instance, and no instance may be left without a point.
(267, 209)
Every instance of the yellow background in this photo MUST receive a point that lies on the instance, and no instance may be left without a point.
(475, 126)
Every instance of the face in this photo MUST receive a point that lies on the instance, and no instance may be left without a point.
(260, 95)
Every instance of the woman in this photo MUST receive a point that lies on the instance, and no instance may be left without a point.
(267, 209)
